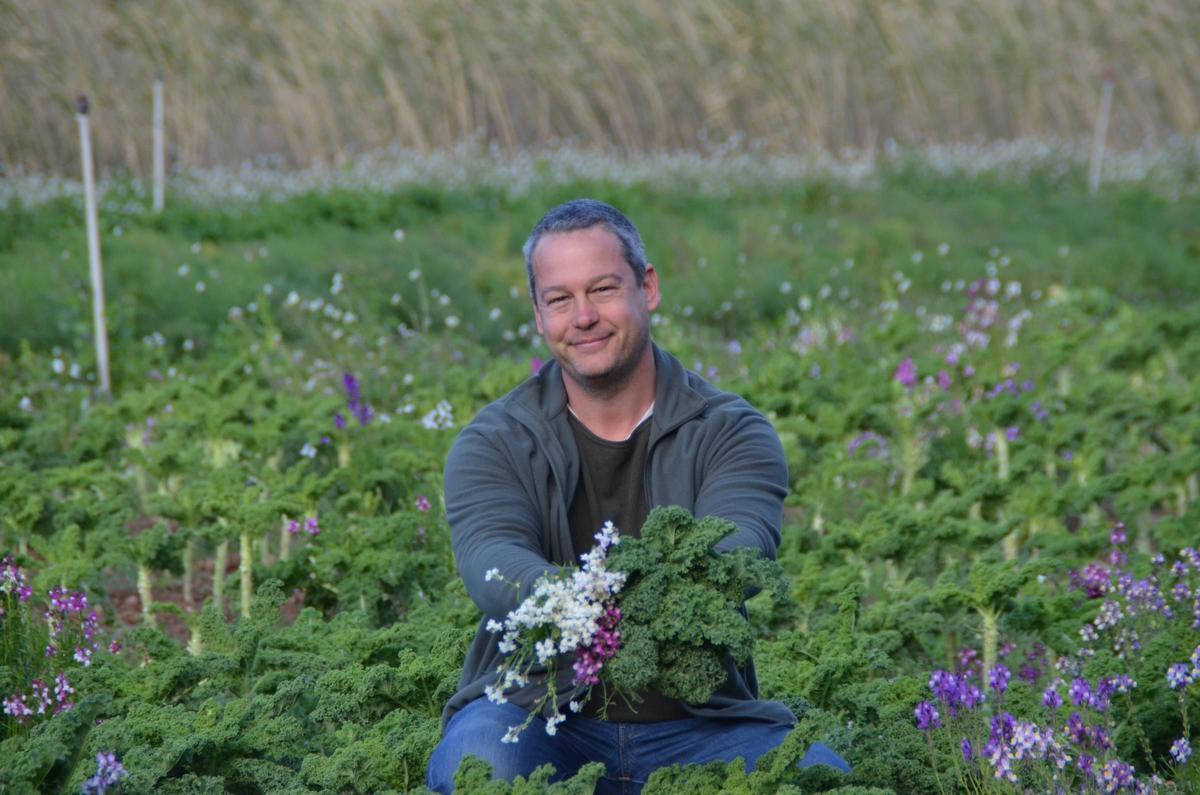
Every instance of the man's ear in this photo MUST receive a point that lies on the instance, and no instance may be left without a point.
(650, 288)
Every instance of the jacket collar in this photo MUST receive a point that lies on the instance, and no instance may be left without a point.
(542, 398)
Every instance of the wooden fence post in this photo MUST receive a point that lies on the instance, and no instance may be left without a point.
(93, 235)
(1100, 132)
(159, 156)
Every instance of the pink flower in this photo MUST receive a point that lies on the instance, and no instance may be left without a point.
(422, 504)
(906, 372)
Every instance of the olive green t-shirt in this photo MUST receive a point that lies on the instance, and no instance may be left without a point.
(612, 487)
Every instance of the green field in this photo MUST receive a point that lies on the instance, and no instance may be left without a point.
(1015, 489)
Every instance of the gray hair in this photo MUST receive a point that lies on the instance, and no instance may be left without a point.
(580, 214)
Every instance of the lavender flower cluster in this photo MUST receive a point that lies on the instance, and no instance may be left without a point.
(12, 583)
(109, 772)
(310, 526)
(71, 625)
(572, 612)
(359, 409)
(1074, 739)
(18, 705)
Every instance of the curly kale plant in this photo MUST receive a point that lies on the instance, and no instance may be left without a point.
(682, 617)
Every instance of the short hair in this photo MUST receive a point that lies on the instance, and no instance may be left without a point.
(580, 214)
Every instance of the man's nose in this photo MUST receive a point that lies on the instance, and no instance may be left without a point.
(584, 314)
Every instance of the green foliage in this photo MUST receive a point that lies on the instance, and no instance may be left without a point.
(475, 775)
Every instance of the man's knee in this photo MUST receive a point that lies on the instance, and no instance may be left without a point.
(477, 731)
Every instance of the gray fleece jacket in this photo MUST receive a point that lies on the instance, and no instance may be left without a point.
(512, 472)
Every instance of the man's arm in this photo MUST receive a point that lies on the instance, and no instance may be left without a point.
(494, 524)
(745, 480)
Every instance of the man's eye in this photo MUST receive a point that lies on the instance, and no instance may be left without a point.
(558, 299)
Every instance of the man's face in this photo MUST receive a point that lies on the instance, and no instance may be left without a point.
(589, 307)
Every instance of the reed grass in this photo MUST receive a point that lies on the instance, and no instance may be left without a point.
(313, 81)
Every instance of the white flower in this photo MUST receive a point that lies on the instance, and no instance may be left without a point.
(544, 650)
(414, 274)
(440, 418)
(494, 314)
(512, 735)
(292, 299)
(308, 451)
(183, 270)
(494, 626)
(575, 706)
(943, 249)
(451, 321)
(200, 287)
(398, 234)
(26, 404)
(57, 366)
(491, 574)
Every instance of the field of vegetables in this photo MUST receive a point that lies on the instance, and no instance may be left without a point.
(235, 574)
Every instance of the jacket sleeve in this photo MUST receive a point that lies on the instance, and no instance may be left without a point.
(494, 524)
(744, 479)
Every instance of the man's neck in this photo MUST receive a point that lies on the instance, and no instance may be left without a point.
(613, 415)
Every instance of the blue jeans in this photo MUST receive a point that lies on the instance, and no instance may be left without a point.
(629, 751)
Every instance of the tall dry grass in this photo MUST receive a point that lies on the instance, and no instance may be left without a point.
(315, 80)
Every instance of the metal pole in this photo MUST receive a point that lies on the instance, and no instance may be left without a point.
(159, 157)
(1100, 133)
(93, 233)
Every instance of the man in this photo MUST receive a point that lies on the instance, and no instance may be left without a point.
(611, 428)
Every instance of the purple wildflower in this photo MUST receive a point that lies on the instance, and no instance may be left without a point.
(967, 750)
(998, 678)
(311, 527)
(109, 771)
(422, 503)
(15, 707)
(1051, 699)
(1080, 692)
(12, 581)
(1118, 536)
(1012, 433)
(1181, 751)
(1115, 775)
(943, 379)
(339, 421)
(605, 644)
(1177, 676)
(906, 372)
(927, 716)
(293, 527)
(41, 694)
(353, 391)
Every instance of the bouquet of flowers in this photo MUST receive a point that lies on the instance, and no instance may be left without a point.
(663, 612)
(572, 611)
